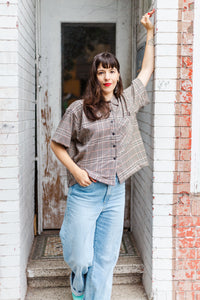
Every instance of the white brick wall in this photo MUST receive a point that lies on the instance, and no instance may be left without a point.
(152, 220)
(141, 207)
(17, 46)
(164, 145)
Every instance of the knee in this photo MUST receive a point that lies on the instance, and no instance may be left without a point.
(74, 255)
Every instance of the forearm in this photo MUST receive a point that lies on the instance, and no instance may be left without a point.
(81, 176)
(148, 60)
(64, 157)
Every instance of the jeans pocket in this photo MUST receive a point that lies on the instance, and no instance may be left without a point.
(85, 188)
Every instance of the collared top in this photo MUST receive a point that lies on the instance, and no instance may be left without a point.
(106, 147)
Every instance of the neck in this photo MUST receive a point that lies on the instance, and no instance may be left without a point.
(108, 97)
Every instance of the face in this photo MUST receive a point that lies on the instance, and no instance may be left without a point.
(107, 78)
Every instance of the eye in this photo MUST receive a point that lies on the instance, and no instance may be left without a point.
(112, 71)
(100, 73)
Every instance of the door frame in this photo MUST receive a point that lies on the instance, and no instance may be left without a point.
(131, 73)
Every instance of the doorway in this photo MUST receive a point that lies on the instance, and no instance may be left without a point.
(79, 44)
(92, 26)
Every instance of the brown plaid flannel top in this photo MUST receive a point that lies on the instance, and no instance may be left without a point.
(106, 147)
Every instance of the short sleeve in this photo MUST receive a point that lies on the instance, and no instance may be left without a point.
(66, 129)
(137, 93)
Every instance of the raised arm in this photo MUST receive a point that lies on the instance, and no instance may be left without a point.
(148, 60)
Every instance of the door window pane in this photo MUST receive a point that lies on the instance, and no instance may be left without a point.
(80, 43)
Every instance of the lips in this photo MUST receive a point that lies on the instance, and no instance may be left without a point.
(107, 84)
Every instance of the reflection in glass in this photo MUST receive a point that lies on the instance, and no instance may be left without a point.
(80, 43)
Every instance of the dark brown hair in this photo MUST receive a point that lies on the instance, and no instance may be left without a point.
(94, 105)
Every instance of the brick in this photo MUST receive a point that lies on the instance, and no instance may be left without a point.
(186, 232)
(184, 166)
(166, 96)
(186, 26)
(196, 286)
(187, 38)
(181, 177)
(185, 155)
(195, 207)
(164, 120)
(184, 285)
(186, 73)
(160, 132)
(188, 221)
(184, 253)
(188, 15)
(186, 62)
(162, 253)
(166, 26)
(186, 85)
(183, 120)
(189, 264)
(167, 14)
(163, 243)
(166, 61)
(190, 295)
(198, 231)
(183, 143)
(183, 210)
(171, 50)
(185, 97)
(186, 50)
(180, 295)
(183, 274)
(185, 108)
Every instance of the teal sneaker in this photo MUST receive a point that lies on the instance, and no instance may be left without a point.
(77, 297)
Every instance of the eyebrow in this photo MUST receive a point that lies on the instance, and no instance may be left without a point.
(106, 69)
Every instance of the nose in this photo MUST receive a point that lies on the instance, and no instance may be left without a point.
(107, 75)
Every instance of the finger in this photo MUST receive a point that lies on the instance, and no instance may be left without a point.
(92, 179)
(151, 12)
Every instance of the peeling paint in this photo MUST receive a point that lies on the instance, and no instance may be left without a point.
(53, 189)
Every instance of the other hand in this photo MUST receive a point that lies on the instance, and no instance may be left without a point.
(145, 20)
(82, 177)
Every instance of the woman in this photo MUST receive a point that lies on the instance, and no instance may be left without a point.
(99, 143)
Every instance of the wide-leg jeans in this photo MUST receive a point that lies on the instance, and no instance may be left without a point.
(91, 235)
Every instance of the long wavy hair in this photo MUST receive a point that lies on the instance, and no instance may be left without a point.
(95, 106)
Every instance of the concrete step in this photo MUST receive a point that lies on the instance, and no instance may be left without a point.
(119, 292)
(47, 269)
(55, 273)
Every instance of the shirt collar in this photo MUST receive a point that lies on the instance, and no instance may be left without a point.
(114, 101)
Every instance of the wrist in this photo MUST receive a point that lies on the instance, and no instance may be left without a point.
(150, 30)
(75, 170)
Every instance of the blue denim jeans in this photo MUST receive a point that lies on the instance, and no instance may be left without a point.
(91, 236)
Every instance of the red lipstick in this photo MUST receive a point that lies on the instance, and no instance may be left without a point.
(107, 84)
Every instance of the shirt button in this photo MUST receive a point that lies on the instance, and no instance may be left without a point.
(113, 133)
(111, 121)
(114, 158)
(114, 146)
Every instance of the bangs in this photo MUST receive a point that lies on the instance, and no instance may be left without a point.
(107, 60)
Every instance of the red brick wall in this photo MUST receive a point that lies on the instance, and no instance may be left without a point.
(186, 230)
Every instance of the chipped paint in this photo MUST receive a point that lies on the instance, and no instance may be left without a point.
(53, 189)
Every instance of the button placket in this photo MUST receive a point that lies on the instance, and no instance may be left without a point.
(113, 137)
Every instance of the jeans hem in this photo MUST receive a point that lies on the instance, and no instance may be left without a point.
(74, 291)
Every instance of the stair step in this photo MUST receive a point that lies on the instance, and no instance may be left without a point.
(47, 268)
(119, 292)
(55, 273)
